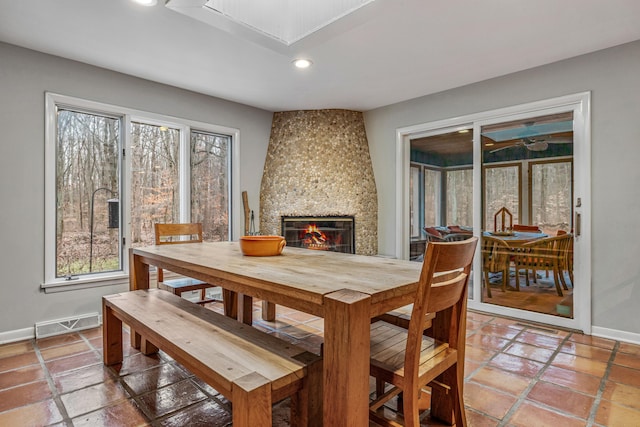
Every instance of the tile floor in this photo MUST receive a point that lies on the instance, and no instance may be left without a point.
(516, 375)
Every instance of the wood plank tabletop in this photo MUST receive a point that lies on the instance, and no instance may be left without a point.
(298, 275)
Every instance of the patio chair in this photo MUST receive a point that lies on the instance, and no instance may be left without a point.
(496, 258)
(171, 234)
(409, 360)
(544, 254)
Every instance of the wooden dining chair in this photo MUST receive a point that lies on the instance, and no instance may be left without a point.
(496, 258)
(409, 360)
(544, 254)
(171, 234)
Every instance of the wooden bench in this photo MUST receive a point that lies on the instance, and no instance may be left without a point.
(249, 367)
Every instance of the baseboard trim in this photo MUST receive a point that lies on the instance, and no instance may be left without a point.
(615, 334)
(17, 335)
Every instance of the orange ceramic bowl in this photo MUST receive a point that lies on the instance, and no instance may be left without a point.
(262, 245)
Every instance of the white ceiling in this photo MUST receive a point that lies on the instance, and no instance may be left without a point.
(387, 52)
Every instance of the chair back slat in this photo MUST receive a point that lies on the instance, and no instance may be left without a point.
(168, 234)
(435, 296)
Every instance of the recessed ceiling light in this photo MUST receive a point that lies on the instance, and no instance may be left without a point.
(146, 2)
(463, 131)
(302, 63)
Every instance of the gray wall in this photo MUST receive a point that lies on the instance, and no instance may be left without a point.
(24, 77)
(613, 77)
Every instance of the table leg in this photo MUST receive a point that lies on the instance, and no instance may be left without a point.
(245, 309)
(268, 311)
(346, 358)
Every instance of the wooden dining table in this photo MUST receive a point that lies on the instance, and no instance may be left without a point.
(346, 290)
(516, 238)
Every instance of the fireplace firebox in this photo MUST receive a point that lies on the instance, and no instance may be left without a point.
(324, 233)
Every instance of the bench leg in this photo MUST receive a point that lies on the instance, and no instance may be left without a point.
(251, 397)
(306, 405)
(111, 336)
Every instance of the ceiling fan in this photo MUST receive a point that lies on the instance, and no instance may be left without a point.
(532, 136)
(535, 144)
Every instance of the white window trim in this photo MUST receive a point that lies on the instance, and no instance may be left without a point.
(52, 100)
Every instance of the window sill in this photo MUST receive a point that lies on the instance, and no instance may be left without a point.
(62, 285)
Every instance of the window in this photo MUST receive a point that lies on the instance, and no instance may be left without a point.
(414, 201)
(550, 186)
(432, 197)
(460, 197)
(501, 189)
(106, 187)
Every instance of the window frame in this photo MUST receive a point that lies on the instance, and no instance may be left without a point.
(53, 101)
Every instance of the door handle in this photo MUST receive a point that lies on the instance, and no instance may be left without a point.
(578, 224)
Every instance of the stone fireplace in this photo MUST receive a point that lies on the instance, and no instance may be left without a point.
(318, 165)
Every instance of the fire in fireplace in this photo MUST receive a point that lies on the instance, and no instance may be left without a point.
(335, 233)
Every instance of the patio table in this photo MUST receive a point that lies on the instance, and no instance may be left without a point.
(346, 290)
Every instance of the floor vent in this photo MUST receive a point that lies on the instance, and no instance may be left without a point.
(64, 326)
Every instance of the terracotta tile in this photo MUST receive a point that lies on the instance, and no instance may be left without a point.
(470, 367)
(588, 351)
(500, 331)
(512, 323)
(487, 342)
(478, 354)
(591, 340)
(97, 344)
(611, 414)
(69, 381)
(139, 362)
(298, 331)
(14, 349)
(24, 395)
(562, 398)
(19, 360)
(622, 394)
(530, 352)
(580, 364)
(621, 374)
(73, 362)
(501, 380)
(65, 350)
(25, 375)
(121, 414)
(91, 398)
(92, 333)
(543, 418)
(205, 414)
(479, 317)
(574, 380)
(57, 340)
(153, 378)
(41, 413)
(299, 317)
(629, 348)
(171, 398)
(208, 389)
(487, 401)
(518, 365)
(476, 419)
(472, 325)
(539, 340)
(628, 360)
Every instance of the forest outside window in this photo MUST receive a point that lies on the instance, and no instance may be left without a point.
(106, 187)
